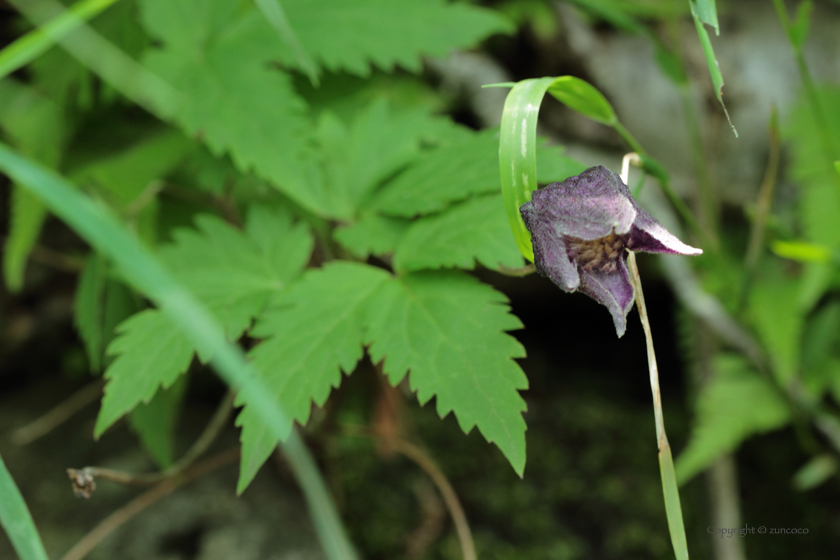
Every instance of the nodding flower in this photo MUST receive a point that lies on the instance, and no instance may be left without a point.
(580, 229)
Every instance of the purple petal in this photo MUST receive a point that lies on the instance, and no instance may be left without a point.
(611, 289)
(551, 255)
(650, 236)
(588, 206)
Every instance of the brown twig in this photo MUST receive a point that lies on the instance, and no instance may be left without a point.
(450, 498)
(59, 414)
(89, 474)
(141, 502)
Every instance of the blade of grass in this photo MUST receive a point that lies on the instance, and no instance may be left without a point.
(711, 60)
(122, 72)
(27, 48)
(276, 16)
(97, 225)
(17, 521)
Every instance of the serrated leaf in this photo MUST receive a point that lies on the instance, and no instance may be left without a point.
(154, 422)
(475, 230)
(315, 334)
(444, 175)
(352, 36)
(820, 195)
(356, 158)
(235, 273)
(151, 352)
(235, 100)
(735, 404)
(447, 328)
(373, 234)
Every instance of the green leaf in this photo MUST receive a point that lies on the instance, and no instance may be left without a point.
(447, 328)
(151, 352)
(815, 472)
(707, 12)
(699, 12)
(821, 349)
(17, 521)
(735, 404)
(475, 230)
(236, 272)
(373, 234)
(126, 176)
(36, 126)
(314, 334)
(155, 421)
(101, 304)
(233, 272)
(819, 197)
(103, 231)
(800, 24)
(27, 48)
(235, 101)
(581, 96)
(352, 36)
(444, 175)
(778, 318)
(356, 159)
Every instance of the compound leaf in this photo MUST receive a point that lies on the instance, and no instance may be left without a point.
(447, 328)
(353, 35)
(474, 230)
(314, 334)
(373, 234)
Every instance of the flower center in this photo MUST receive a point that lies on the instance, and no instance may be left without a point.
(596, 255)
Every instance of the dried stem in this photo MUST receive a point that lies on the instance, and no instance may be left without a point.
(661, 438)
(141, 502)
(207, 437)
(58, 415)
(450, 498)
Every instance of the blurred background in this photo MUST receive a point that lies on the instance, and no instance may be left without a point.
(592, 487)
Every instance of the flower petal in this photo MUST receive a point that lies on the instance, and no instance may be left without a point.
(611, 289)
(588, 206)
(551, 255)
(648, 235)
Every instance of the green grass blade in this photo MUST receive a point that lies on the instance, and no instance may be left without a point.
(711, 61)
(96, 224)
(518, 154)
(673, 509)
(17, 521)
(276, 16)
(707, 12)
(110, 63)
(26, 49)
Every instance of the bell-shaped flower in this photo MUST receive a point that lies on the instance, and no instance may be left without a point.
(580, 229)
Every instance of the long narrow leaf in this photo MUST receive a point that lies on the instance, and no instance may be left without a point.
(17, 521)
(673, 509)
(24, 50)
(96, 224)
(711, 59)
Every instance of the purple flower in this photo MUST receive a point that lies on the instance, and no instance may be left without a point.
(579, 230)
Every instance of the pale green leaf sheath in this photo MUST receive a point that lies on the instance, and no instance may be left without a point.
(233, 272)
(314, 334)
(447, 328)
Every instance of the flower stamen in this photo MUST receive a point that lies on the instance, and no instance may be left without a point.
(598, 254)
